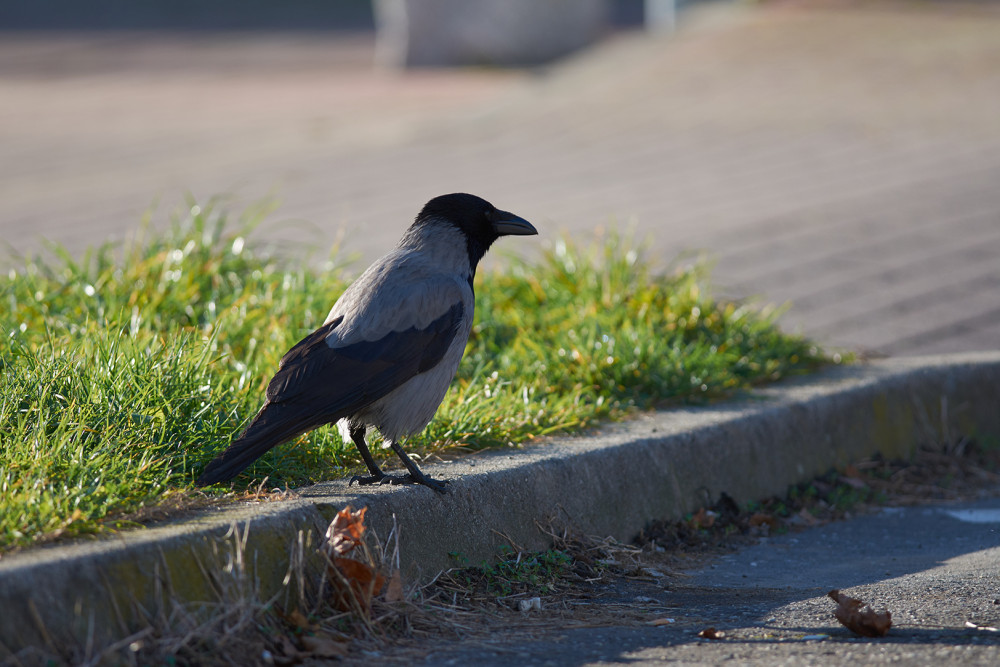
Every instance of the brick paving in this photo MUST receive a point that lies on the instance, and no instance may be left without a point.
(844, 159)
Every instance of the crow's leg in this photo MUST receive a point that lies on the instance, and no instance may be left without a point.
(415, 475)
(377, 476)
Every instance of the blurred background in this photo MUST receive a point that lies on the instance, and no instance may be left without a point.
(840, 155)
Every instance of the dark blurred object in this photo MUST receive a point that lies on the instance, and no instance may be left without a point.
(410, 32)
(187, 15)
(626, 13)
(225, 14)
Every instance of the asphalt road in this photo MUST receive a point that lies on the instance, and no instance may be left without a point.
(935, 568)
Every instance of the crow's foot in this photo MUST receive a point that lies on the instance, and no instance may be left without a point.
(429, 482)
(380, 479)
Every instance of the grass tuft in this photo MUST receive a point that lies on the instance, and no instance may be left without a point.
(124, 371)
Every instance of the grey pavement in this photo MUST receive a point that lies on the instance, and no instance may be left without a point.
(934, 568)
(841, 158)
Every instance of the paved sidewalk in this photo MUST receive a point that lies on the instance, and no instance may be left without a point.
(846, 160)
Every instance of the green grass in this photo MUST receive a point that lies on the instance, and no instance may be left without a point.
(124, 371)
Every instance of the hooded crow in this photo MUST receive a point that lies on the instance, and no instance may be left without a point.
(389, 347)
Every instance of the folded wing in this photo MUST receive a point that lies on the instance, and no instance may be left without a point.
(318, 384)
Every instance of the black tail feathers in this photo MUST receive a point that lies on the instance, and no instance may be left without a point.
(263, 433)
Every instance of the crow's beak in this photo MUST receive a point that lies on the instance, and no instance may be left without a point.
(508, 224)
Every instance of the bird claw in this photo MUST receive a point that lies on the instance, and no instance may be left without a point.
(380, 479)
(437, 485)
(429, 482)
(366, 481)
(390, 479)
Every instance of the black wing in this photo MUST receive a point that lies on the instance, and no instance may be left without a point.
(316, 384)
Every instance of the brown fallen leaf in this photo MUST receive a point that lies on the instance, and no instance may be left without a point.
(353, 573)
(712, 633)
(859, 617)
(657, 622)
(354, 583)
(345, 531)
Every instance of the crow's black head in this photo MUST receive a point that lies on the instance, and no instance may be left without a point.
(480, 221)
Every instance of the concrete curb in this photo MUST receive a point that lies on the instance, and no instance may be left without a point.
(610, 482)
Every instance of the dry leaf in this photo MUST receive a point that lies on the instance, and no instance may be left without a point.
(394, 590)
(323, 647)
(657, 622)
(860, 618)
(360, 573)
(711, 633)
(345, 531)
(355, 583)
